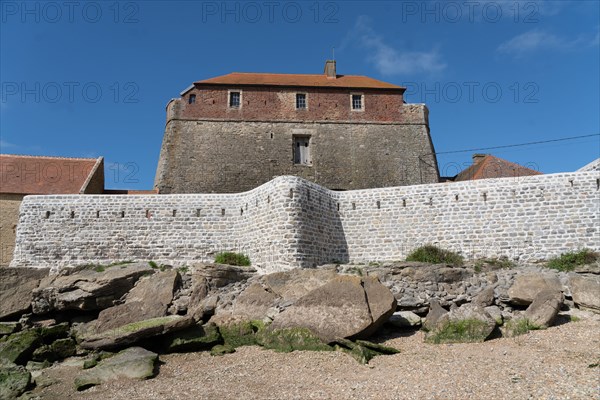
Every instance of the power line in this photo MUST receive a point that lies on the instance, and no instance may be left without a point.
(518, 145)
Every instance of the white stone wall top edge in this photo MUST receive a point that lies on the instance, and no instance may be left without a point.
(291, 182)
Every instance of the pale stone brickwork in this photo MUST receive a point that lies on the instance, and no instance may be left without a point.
(290, 222)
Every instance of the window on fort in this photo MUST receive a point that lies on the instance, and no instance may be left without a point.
(234, 99)
(302, 150)
(301, 101)
(192, 99)
(357, 102)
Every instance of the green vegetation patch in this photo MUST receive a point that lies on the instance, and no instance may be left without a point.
(361, 350)
(102, 268)
(195, 338)
(160, 267)
(241, 333)
(493, 264)
(95, 358)
(435, 255)
(355, 270)
(462, 331)
(291, 339)
(568, 261)
(14, 381)
(237, 259)
(519, 326)
(221, 350)
(133, 327)
(58, 350)
(18, 347)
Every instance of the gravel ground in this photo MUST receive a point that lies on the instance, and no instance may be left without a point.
(550, 364)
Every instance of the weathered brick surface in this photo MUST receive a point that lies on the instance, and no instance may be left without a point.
(273, 104)
(209, 156)
(290, 222)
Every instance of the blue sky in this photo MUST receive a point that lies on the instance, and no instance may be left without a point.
(91, 78)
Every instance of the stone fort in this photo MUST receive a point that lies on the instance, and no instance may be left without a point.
(235, 132)
(326, 168)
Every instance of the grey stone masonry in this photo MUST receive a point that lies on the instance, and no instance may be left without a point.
(290, 222)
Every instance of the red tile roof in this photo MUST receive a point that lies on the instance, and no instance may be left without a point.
(45, 175)
(299, 80)
(494, 167)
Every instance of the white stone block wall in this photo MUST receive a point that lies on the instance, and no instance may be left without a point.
(290, 222)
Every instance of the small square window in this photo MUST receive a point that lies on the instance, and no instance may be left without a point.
(301, 101)
(192, 99)
(234, 99)
(302, 150)
(357, 103)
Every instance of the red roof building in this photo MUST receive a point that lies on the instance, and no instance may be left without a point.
(299, 80)
(487, 166)
(234, 132)
(50, 175)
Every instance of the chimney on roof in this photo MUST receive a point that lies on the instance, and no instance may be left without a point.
(330, 69)
(478, 157)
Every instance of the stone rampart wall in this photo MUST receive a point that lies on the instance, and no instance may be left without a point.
(290, 222)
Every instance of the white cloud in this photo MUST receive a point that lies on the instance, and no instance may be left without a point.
(596, 40)
(391, 61)
(536, 40)
(529, 10)
(4, 144)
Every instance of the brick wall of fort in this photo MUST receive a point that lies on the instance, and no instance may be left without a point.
(227, 156)
(274, 104)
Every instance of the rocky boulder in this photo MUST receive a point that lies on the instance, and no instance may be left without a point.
(404, 319)
(87, 288)
(219, 275)
(149, 299)
(436, 311)
(527, 286)
(345, 307)
(261, 297)
(294, 284)
(6, 328)
(195, 338)
(132, 363)
(255, 302)
(421, 272)
(485, 298)
(129, 334)
(585, 290)
(206, 280)
(18, 348)
(465, 324)
(14, 380)
(544, 308)
(16, 285)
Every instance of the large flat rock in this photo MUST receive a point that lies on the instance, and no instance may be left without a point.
(87, 288)
(16, 285)
(149, 299)
(294, 284)
(527, 286)
(131, 333)
(132, 363)
(585, 290)
(14, 380)
(345, 307)
(545, 308)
